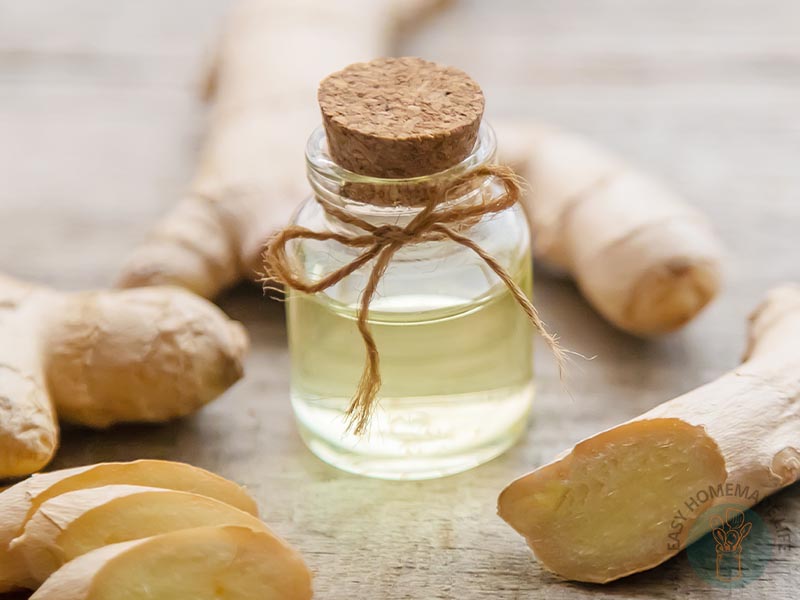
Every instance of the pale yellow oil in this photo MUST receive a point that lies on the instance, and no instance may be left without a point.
(457, 380)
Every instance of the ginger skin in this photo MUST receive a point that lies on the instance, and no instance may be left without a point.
(646, 260)
(28, 426)
(606, 508)
(101, 358)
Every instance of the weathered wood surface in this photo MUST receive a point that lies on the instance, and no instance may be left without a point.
(99, 125)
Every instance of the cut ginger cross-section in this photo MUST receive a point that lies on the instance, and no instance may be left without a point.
(626, 499)
(19, 502)
(207, 563)
(78, 522)
(604, 510)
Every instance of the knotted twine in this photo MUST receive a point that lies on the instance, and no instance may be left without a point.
(381, 242)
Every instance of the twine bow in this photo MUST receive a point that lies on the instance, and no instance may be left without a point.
(381, 242)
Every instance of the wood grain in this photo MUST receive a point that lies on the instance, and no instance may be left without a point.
(99, 124)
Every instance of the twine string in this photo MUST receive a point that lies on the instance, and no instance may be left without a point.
(381, 243)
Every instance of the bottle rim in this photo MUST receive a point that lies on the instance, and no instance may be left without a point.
(328, 179)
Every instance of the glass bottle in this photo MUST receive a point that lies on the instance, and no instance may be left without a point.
(455, 347)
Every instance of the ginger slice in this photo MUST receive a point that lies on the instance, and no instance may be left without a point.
(604, 510)
(19, 502)
(207, 563)
(610, 506)
(75, 523)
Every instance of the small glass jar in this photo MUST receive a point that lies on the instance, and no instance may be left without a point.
(455, 347)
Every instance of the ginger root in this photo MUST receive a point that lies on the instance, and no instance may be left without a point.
(251, 174)
(78, 522)
(21, 501)
(28, 427)
(642, 257)
(100, 358)
(646, 260)
(206, 563)
(624, 500)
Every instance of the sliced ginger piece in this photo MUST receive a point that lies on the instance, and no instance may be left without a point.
(19, 502)
(206, 563)
(625, 499)
(604, 510)
(75, 523)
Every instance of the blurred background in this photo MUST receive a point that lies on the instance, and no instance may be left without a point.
(100, 118)
(100, 123)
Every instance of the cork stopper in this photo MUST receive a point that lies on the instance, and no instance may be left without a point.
(400, 117)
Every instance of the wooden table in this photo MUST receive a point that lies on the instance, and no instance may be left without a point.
(99, 124)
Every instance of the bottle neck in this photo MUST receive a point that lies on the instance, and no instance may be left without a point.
(395, 201)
